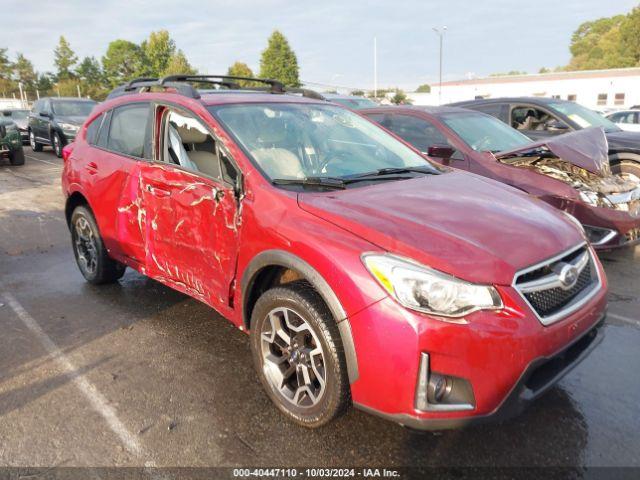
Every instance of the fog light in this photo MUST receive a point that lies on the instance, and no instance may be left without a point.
(438, 392)
(439, 387)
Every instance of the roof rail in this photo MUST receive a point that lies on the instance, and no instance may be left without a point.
(180, 83)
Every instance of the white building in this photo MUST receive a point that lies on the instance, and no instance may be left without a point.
(597, 89)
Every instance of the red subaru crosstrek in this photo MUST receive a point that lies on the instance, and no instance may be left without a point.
(364, 273)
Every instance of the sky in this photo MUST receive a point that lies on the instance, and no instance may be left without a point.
(333, 40)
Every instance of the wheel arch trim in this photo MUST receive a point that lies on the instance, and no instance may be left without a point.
(281, 258)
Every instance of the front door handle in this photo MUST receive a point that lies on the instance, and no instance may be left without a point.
(158, 192)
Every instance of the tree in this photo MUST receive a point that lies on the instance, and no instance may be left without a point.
(506, 74)
(424, 88)
(357, 93)
(240, 69)
(544, 70)
(6, 72)
(598, 44)
(279, 62)
(89, 71)
(178, 64)
(123, 61)
(44, 83)
(157, 52)
(630, 36)
(24, 72)
(400, 98)
(64, 59)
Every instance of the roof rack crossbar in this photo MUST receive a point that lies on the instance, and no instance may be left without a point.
(276, 86)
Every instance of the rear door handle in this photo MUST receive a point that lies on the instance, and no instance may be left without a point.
(158, 192)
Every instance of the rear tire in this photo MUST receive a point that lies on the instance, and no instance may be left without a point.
(35, 146)
(91, 256)
(306, 375)
(16, 157)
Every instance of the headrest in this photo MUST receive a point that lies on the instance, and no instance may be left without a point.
(191, 135)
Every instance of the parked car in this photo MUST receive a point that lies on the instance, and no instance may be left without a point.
(628, 120)
(21, 119)
(558, 170)
(363, 272)
(55, 121)
(10, 143)
(350, 101)
(539, 117)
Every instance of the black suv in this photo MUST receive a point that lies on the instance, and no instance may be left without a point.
(55, 121)
(540, 117)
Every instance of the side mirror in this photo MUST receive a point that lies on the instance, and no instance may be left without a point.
(441, 151)
(46, 114)
(557, 126)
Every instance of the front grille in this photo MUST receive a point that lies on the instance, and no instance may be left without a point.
(559, 286)
(550, 301)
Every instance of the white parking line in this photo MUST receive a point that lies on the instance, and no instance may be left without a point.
(43, 161)
(95, 398)
(631, 321)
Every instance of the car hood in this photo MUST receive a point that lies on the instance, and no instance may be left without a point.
(21, 123)
(624, 140)
(457, 222)
(72, 119)
(587, 148)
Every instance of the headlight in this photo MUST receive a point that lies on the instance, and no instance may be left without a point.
(426, 290)
(69, 126)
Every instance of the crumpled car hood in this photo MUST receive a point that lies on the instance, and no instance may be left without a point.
(587, 148)
(465, 225)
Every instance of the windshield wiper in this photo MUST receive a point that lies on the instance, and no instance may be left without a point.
(327, 182)
(397, 170)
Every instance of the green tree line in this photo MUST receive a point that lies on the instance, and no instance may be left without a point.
(124, 60)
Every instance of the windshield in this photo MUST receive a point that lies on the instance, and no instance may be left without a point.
(301, 141)
(484, 133)
(72, 108)
(584, 117)
(354, 103)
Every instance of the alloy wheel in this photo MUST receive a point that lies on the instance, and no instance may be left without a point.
(86, 246)
(32, 140)
(56, 144)
(292, 358)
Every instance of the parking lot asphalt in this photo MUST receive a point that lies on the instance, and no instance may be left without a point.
(136, 374)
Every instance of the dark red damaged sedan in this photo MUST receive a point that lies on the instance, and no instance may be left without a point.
(570, 172)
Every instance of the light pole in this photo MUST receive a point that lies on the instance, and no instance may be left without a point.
(440, 33)
(375, 67)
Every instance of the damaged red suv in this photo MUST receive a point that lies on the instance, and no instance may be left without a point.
(570, 172)
(364, 274)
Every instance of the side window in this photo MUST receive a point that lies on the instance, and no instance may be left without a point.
(188, 143)
(531, 118)
(493, 109)
(93, 128)
(128, 130)
(416, 131)
(37, 106)
(227, 168)
(46, 106)
(103, 134)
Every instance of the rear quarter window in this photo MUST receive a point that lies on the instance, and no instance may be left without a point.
(128, 129)
(93, 128)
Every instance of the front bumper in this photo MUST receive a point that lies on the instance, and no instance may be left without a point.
(625, 227)
(498, 353)
(540, 376)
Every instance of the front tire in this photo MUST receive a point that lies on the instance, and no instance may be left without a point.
(56, 142)
(16, 157)
(91, 256)
(35, 146)
(298, 354)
